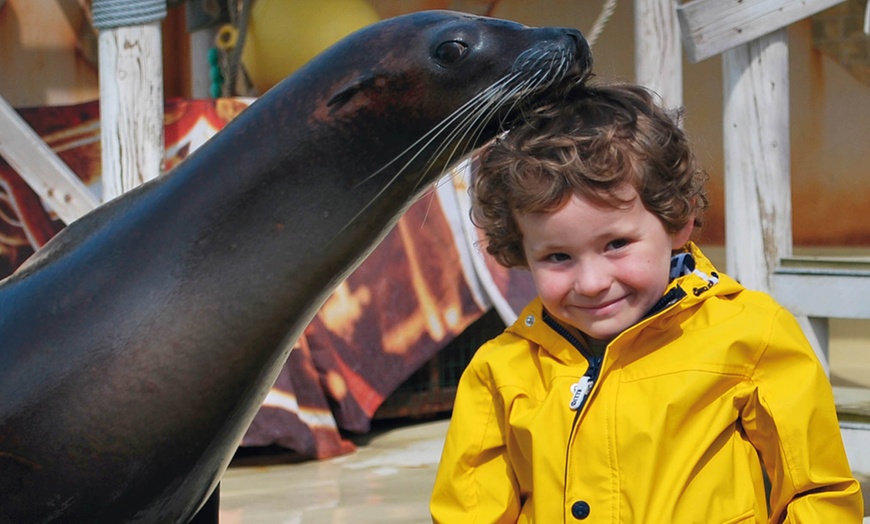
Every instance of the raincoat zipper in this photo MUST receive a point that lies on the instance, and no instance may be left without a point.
(591, 372)
(591, 375)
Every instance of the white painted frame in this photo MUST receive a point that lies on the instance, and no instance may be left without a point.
(43, 170)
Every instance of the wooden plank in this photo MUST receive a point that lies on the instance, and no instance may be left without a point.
(757, 163)
(131, 106)
(829, 296)
(42, 168)
(658, 52)
(824, 290)
(710, 27)
(826, 265)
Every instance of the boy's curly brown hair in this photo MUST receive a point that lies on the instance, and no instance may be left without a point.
(599, 137)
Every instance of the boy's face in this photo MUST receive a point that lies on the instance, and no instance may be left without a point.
(599, 268)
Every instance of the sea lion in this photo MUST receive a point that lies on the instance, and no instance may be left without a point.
(137, 345)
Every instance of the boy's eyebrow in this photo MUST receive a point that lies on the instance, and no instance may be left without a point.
(545, 248)
(610, 232)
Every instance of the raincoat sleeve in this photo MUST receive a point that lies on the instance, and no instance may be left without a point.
(791, 420)
(475, 481)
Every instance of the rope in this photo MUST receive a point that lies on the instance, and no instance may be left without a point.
(230, 42)
(109, 14)
(606, 12)
(235, 56)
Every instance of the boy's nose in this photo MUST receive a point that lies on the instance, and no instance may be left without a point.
(591, 281)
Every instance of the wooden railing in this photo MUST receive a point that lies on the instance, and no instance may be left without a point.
(751, 37)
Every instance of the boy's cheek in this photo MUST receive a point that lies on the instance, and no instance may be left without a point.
(552, 291)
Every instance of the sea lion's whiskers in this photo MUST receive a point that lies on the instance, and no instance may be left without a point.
(493, 105)
(475, 110)
(494, 99)
(491, 100)
(502, 92)
(419, 145)
(433, 133)
(481, 108)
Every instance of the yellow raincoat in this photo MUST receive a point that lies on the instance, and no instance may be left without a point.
(673, 424)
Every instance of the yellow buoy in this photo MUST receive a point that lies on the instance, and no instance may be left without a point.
(284, 34)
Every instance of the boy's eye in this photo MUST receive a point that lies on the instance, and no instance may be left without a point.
(558, 257)
(618, 243)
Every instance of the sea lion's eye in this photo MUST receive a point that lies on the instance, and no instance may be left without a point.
(450, 52)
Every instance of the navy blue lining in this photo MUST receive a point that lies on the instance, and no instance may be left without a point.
(567, 335)
(671, 297)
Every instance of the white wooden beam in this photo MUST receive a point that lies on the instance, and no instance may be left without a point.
(658, 52)
(42, 168)
(758, 229)
(711, 27)
(824, 287)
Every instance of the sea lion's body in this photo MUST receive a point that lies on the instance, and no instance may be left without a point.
(137, 346)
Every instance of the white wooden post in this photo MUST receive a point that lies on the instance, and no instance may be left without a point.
(756, 139)
(758, 225)
(131, 91)
(658, 53)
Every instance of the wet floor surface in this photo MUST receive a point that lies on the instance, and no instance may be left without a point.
(388, 479)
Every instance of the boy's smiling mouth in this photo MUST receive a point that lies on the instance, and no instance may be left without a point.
(600, 308)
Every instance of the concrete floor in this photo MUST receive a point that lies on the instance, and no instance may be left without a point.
(387, 480)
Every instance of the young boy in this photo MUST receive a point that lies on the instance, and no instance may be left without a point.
(642, 385)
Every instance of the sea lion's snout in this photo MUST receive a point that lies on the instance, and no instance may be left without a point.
(558, 54)
(576, 48)
(582, 52)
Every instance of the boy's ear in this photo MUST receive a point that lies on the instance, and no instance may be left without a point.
(679, 239)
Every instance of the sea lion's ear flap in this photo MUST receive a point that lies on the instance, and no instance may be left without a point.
(348, 90)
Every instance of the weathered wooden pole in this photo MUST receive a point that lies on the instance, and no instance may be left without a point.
(758, 230)
(658, 58)
(756, 126)
(131, 91)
